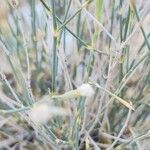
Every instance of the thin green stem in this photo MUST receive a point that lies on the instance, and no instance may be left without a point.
(112, 20)
(9, 86)
(141, 27)
(78, 11)
(16, 110)
(33, 13)
(54, 54)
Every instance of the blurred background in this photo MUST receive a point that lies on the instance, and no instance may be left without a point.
(50, 47)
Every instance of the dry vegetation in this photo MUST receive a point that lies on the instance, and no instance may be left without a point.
(49, 48)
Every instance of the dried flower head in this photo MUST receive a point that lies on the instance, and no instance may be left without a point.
(43, 111)
(85, 90)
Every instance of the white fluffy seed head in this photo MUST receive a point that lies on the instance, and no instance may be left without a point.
(85, 90)
(42, 112)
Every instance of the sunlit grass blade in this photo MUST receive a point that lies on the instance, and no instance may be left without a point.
(125, 103)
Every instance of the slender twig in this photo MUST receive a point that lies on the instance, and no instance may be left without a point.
(141, 27)
(121, 131)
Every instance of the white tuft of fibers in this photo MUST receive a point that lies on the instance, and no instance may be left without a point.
(43, 111)
(40, 114)
(85, 90)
